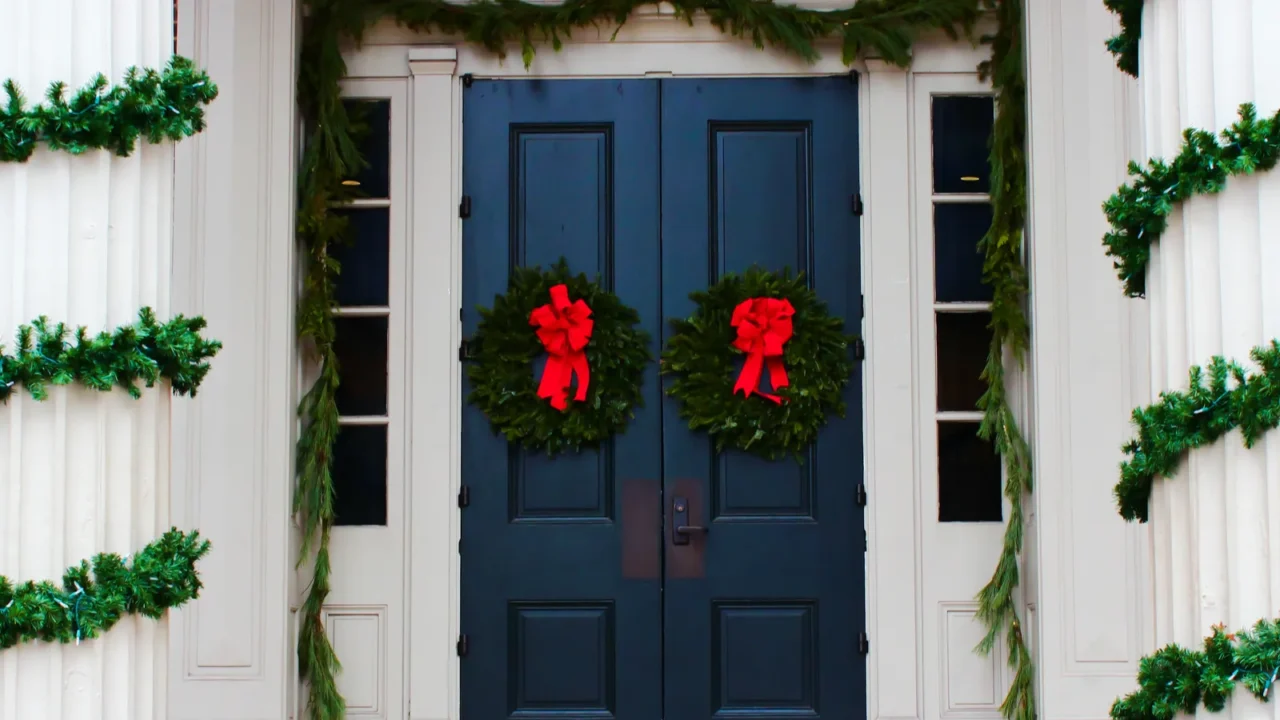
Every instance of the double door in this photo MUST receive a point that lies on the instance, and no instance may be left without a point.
(655, 578)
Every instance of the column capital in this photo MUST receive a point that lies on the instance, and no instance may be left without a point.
(438, 60)
(880, 65)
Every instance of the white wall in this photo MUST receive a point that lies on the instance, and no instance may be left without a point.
(1090, 581)
(85, 240)
(232, 654)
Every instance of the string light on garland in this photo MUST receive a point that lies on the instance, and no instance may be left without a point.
(1176, 680)
(95, 595)
(154, 105)
(1139, 211)
(145, 352)
(1199, 416)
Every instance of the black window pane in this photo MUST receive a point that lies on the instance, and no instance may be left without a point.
(364, 277)
(963, 343)
(361, 346)
(961, 130)
(360, 475)
(968, 475)
(371, 126)
(957, 264)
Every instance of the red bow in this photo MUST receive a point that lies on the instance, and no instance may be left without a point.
(764, 324)
(564, 329)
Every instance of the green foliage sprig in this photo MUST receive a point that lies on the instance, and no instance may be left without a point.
(1176, 680)
(1004, 272)
(1196, 417)
(1139, 211)
(1125, 45)
(148, 104)
(704, 362)
(94, 595)
(503, 384)
(145, 352)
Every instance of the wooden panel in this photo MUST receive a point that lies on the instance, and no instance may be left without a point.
(359, 637)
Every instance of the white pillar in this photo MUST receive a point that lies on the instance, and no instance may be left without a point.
(84, 240)
(1212, 289)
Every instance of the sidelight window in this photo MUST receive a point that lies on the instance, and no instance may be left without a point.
(969, 473)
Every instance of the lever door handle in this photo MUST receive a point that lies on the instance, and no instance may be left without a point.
(680, 527)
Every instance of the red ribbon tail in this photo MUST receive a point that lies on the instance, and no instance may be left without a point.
(584, 375)
(749, 378)
(555, 381)
(777, 373)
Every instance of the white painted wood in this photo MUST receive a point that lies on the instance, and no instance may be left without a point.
(1089, 365)
(86, 240)
(232, 655)
(1214, 293)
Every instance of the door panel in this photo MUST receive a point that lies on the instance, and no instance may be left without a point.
(765, 616)
(554, 627)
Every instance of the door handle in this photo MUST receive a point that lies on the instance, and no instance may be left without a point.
(680, 527)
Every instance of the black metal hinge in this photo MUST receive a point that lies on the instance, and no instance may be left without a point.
(864, 541)
(864, 643)
(859, 349)
(468, 80)
(862, 306)
(464, 207)
(464, 496)
(466, 351)
(462, 646)
(862, 495)
(857, 204)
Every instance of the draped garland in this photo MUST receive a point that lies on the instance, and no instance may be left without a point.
(883, 27)
(94, 595)
(1173, 679)
(153, 105)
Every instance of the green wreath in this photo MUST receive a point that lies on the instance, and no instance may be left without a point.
(702, 355)
(503, 380)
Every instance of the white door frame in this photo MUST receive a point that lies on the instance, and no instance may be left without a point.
(657, 44)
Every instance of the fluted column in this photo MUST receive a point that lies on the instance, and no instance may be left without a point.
(85, 240)
(1213, 290)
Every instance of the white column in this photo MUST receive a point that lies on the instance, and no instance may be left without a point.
(1212, 289)
(85, 240)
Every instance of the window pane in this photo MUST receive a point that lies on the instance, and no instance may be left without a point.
(964, 340)
(372, 123)
(957, 264)
(968, 475)
(360, 475)
(361, 346)
(365, 275)
(961, 131)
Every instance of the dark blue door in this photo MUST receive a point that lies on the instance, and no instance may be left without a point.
(575, 601)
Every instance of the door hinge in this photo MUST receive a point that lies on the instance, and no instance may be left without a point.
(466, 351)
(862, 495)
(864, 541)
(468, 80)
(864, 643)
(462, 646)
(857, 204)
(464, 207)
(862, 306)
(464, 496)
(859, 349)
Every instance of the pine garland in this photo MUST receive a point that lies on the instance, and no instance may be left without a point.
(1004, 272)
(145, 352)
(1125, 45)
(885, 27)
(95, 595)
(1178, 680)
(1196, 417)
(1139, 211)
(149, 104)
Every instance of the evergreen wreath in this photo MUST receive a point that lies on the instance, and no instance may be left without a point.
(505, 389)
(701, 355)
(90, 602)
